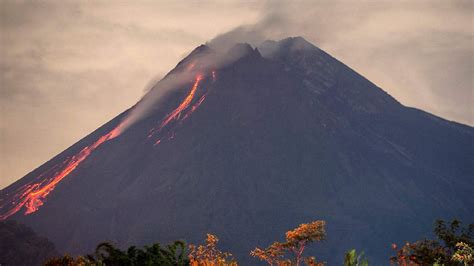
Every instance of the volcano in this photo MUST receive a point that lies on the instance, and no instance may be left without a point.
(248, 149)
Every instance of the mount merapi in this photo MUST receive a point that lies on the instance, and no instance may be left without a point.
(280, 135)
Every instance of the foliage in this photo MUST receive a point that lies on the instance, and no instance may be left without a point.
(464, 254)
(440, 251)
(67, 260)
(403, 255)
(20, 245)
(296, 241)
(173, 254)
(352, 259)
(107, 254)
(272, 254)
(209, 255)
(454, 234)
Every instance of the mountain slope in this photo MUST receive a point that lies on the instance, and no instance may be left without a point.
(266, 141)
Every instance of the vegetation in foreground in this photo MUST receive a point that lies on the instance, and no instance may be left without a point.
(296, 242)
(453, 246)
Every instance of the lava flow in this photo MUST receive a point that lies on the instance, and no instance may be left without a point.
(32, 195)
(194, 107)
(178, 111)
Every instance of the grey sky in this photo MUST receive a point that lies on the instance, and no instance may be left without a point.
(68, 67)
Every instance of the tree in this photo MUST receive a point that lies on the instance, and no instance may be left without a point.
(67, 260)
(438, 251)
(110, 255)
(295, 244)
(107, 254)
(209, 255)
(173, 254)
(464, 254)
(403, 255)
(454, 233)
(272, 254)
(352, 259)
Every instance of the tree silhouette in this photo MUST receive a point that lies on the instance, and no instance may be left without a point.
(353, 259)
(107, 254)
(209, 255)
(440, 250)
(296, 242)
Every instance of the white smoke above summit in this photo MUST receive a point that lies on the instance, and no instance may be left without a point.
(202, 61)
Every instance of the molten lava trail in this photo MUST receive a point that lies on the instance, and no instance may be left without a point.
(185, 104)
(194, 107)
(177, 113)
(32, 195)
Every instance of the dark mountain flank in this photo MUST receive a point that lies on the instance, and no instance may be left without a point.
(19, 245)
(250, 148)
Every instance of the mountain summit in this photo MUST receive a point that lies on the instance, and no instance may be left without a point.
(247, 144)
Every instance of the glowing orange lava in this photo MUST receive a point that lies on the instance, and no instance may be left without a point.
(194, 107)
(177, 112)
(32, 195)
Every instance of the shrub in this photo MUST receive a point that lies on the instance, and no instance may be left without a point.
(209, 255)
(296, 241)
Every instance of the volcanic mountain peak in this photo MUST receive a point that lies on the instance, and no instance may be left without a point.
(271, 48)
(248, 146)
(205, 58)
(190, 61)
(240, 50)
(206, 55)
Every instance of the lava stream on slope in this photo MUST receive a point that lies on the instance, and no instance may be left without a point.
(177, 114)
(33, 194)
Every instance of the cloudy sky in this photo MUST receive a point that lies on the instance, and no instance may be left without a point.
(69, 66)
